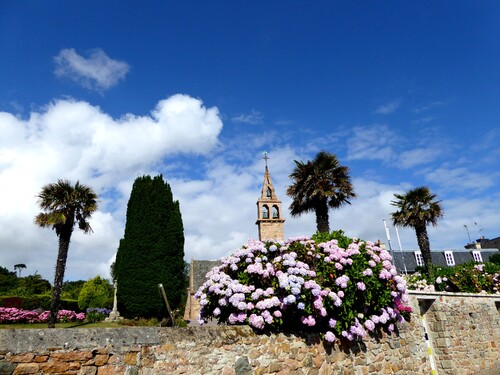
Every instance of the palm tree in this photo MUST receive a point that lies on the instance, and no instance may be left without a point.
(19, 267)
(318, 185)
(65, 205)
(417, 209)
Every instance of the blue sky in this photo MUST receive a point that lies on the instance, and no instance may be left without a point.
(404, 93)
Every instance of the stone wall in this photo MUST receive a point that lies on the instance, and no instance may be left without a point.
(463, 332)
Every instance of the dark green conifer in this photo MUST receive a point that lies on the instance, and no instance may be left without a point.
(151, 251)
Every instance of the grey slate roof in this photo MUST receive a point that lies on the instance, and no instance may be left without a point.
(460, 256)
(486, 243)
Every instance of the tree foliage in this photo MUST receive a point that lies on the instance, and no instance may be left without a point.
(11, 285)
(8, 280)
(64, 205)
(495, 258)
(416, 209)
(317, 185)
(32, 284)
(151, 251)
(96, 292)
(71, 289)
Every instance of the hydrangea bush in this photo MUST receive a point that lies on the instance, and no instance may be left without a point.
(469, 277)
(15, 315)
(339, 287)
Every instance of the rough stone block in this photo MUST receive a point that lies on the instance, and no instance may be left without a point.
(40, 358)
(242, 366)
(275, 367)
(21, 358)
(71, 356)
(26, 368)
(54, 367)
(318, 361)
(254, 353)
(88, 370)
(101, 359)
(7, 368)
(111, 370)
(130, 359)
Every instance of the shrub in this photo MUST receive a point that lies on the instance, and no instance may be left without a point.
(11, 302)
(36, 302)
(95, 315)
(96, 292)
(140, 322)
(417, 281)
(469, 277)
(339, 288)
(71, 289)
(69, 304)
(495, 259)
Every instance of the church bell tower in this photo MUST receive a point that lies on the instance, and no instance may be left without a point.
(269, 215)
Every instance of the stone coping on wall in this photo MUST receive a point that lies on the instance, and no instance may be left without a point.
(30, 340)
(27, 340)
(420, 294)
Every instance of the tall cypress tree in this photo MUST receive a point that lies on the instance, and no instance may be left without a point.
(151, 251)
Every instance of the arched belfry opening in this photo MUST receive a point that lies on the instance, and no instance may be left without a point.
(276, 212)
(269, 215)
(265, 212)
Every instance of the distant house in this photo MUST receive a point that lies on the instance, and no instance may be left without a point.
(484, 243)
(411, 259)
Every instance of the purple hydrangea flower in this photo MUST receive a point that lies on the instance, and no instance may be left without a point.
(329, 336)
(370, 326)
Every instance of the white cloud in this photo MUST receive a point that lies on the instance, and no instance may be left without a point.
(77, 141)
(252, 118)
(418, 156)
(97, 71)
(388, 108)
(429, 106)
(372, 143)
(423, 120)
(460, 179)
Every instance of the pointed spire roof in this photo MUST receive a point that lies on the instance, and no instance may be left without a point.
(269, 216)
(268, 192)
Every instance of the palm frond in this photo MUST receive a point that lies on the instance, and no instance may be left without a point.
(63, 204)
(417, 207)
(320, 181)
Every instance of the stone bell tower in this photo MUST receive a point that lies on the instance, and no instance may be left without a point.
(269, 214)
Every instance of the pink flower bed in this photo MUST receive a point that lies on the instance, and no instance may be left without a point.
(14, 315)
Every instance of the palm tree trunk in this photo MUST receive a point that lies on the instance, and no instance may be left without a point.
(62, 256)
(425, 249)
(322, 219)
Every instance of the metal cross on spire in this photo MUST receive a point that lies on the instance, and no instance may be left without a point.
(265, 157)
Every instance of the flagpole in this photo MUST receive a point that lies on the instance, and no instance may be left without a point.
(401, 249)
(388, 237)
